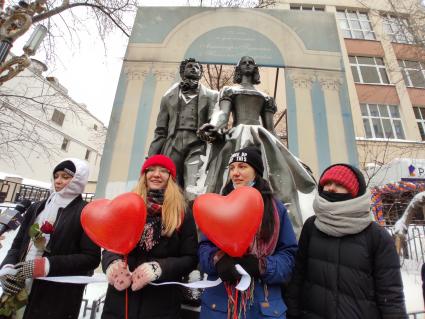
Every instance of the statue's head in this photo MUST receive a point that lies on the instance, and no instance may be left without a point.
(246, 66)
(191, 69)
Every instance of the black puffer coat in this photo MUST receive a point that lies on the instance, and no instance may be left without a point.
(177, 256)
(72, 253)
(350, 277)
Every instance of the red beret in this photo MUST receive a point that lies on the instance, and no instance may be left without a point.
(160, 160)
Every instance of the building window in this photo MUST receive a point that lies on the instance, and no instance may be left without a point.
(368, 70)
(58, 117)
(65, 144)
(382, 121)
(95, 127)
(397, 28)
(413, 73)
(306, 7)
(87, 157)
(420, 119)
(355, 24)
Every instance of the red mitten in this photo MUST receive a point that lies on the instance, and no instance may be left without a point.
(119, 275)
(144, 274)
(32, 268)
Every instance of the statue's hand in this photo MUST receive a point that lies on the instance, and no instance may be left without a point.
(208, 132)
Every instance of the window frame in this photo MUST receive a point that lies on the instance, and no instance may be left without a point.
(406, 75)
(306, 7)
(369, 117)
(397, 27)
(68, 141)
(353, 30)
(421, 120)
(87, 156)
(358, 66)
(58, 117)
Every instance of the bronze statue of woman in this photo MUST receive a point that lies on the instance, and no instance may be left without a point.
(252, 112)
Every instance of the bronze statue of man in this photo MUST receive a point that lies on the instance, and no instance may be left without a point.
(185, 107)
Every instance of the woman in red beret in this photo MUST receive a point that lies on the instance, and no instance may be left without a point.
(167, 250)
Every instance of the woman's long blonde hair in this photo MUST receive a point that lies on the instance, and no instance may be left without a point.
(173, 207)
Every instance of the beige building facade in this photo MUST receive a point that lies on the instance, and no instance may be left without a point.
(338, 69)
(384, 59)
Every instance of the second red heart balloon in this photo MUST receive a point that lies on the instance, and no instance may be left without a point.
(231, 221)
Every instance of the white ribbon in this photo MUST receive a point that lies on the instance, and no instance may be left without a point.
(7, 271)
(242, 285)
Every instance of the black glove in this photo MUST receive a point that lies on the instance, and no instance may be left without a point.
(251, 264)
(226, 269)
(11, 284)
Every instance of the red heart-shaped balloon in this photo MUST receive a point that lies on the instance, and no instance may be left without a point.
(231, 221)
(117, 224)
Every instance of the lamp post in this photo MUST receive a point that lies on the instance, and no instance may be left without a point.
(14, 22)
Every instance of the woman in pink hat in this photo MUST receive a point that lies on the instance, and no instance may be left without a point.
(347, 265)
(167, 250)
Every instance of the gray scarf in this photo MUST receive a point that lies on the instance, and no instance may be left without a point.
(347, 217)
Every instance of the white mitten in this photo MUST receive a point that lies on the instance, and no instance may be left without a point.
(144, 274)
(119, 275)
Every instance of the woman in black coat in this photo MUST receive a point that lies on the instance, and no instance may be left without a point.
(346, 266)
(64, 249)
(167, 250)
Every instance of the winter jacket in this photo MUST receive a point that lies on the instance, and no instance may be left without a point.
(72, 253)
(278, 270)
(350, 277)
(176, 256)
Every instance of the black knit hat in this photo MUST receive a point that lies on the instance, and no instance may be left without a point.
(250, 155)
(66, 166)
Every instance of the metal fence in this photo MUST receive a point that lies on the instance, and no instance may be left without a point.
(413, 247)
(13, 192)
(416, 315)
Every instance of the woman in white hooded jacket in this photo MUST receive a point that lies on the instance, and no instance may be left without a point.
(62, 248)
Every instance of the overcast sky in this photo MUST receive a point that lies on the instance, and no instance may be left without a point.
(90, 71)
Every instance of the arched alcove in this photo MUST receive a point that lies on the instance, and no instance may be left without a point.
(228, 44)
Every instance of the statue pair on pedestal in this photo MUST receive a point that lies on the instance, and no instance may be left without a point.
(191, 115)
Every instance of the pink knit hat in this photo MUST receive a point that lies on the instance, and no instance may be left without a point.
(342, 175)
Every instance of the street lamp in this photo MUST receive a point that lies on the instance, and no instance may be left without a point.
(35, 40)
(14, 22)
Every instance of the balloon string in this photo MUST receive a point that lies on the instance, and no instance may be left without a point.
(126, 291)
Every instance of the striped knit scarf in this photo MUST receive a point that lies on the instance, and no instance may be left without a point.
(153, 227)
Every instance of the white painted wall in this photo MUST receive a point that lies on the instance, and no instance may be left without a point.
(78, 126)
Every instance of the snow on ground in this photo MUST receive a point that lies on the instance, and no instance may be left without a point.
(413, 293)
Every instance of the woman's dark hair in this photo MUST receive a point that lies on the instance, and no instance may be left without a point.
(267, 224)
(237, 76)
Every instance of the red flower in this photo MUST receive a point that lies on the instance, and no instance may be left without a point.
(47, 228)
